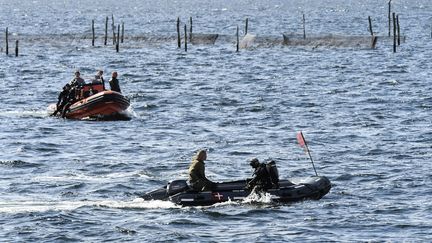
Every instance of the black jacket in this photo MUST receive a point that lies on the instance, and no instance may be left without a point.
(114, 84)
(62, 98)
(261, 177)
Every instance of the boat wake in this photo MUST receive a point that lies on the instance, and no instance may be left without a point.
(253, 198)
(24, 114)
(11, 207)
(258, 197)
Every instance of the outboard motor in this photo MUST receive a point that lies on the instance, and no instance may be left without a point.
(176, 186)
(273, 173)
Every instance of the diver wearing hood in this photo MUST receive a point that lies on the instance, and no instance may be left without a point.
(265, 175)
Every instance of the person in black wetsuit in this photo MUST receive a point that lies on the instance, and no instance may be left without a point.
(71, 98)
(62, 99)
(261, 177)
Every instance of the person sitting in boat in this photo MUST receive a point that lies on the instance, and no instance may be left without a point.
(197, 179)
(62, 99)
(114, 83)
(77, 80)
(98, 78)
(261, 177)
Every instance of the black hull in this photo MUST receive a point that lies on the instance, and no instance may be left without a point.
(313, 188)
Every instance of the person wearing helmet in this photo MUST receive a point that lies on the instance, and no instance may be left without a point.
(197, 179)
(70, 99)
(261, 177)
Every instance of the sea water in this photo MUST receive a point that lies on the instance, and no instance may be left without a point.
(365, 113)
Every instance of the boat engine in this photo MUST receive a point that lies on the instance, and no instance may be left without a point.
(176, 186)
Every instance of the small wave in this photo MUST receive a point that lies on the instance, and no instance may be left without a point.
(345, 177)
(89, 178)
(125, 230)
(17, 164)
(240, 153)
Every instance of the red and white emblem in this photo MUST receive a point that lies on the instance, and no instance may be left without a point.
(217, 195)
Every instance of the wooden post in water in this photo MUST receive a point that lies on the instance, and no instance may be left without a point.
(113, 29)
(190, 30)
(370, 26)
(7, 41)
(246, 26)
(16, 48)
(118, 39)
(122, 32)
(374, 38)
(374, 41)
(304, 27)
(93, 33)
(398, 30)
(178, 33)
(389, 17)
(185, 37)
(238, 40)
(118, 33)
(394, 32)
(106, 31)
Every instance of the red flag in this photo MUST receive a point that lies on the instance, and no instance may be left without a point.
(302, 142)
(300, 139)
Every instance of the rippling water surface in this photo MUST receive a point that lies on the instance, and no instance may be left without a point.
(365, 113)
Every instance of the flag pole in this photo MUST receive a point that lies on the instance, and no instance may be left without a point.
(302, 142)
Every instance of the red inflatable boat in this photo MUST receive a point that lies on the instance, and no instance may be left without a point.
(95, 102)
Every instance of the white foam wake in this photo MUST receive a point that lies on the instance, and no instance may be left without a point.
(43, 206)
(25, 113)
(258, 197)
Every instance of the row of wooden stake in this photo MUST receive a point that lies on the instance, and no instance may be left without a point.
(7, 43)
(396, 31)
(119, 36)
(190, 33)
(396, 27)
(117, 40)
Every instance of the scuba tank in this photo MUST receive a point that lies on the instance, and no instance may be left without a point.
(273, 173)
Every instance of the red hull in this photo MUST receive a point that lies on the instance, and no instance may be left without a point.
(105, 103)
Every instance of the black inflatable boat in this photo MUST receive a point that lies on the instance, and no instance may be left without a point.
(293, 190)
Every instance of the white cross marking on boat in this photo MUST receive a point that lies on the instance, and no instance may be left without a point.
(219, 196)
